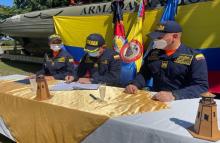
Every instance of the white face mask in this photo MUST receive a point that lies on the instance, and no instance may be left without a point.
(94, 54)
(160, 44)
(55, 47)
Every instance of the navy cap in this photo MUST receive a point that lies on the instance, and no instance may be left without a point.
(164, 28)
(94, 42)
(54, 37)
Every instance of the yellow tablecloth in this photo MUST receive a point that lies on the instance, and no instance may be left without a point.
(69, 116)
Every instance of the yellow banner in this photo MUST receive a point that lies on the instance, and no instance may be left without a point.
(69, 116)
(200, 22)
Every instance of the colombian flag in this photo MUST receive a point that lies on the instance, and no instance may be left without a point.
(200, 22)
(119, 31)
(170, 11)
(136, 32)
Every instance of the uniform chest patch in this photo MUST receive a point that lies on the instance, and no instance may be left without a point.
(184, 59)
(96, 65)
(105, 62)
(116, 57)
(88, 60)
(164, 64)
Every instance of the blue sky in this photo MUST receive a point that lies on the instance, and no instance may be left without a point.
(6, 2)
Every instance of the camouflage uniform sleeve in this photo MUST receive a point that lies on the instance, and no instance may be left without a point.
(71, 70)
(68, 68)
(112, 76)
(198, 80)
(59, 76)
(41, 72)
(44, 70)
(143, 75)
(61, 73)
(81, 69)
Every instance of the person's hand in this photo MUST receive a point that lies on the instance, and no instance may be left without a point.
(69, 78)
(131, 89)
(164, 96)
(49, 78)
(84, 80)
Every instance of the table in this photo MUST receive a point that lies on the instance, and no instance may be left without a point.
(68, 116)
(165, 126)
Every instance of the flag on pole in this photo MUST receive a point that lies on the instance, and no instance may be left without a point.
(128, 70)
(119, 31)
(133, 50)
(170, 11)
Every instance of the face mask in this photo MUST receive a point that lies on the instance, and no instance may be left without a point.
(55, 47)
(94, 54)
(160, 44)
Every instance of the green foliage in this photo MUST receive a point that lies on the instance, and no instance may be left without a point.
(39, 4)
(23, 6)
(8, 43)
(6, 12)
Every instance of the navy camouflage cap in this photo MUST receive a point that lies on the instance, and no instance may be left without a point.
(164, 28)
(54, 37)
(94, 42)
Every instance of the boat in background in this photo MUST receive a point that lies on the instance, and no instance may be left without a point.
(32, 29)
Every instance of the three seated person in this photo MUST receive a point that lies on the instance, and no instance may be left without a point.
(178, 72)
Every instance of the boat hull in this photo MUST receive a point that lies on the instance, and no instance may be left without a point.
(33, 28)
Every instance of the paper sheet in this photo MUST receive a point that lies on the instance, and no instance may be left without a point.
(74, 85)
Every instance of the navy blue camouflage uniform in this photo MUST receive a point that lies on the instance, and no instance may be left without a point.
(58, 67)
(184, 73)
(105, 69)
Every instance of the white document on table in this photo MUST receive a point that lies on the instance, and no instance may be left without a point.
(74, 85)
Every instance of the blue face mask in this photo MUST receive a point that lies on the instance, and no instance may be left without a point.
(94, 54)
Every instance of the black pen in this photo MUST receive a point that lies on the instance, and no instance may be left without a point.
(93, 97)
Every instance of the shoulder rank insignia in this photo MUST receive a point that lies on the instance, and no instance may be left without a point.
(184, 59)
(61, 60)
(116, 57)
(104, 62)
(199, 57)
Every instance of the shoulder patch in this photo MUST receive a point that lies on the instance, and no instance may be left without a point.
(199, 57)
(116, 57)
(71, 60)
(184, 59)
(61, 59)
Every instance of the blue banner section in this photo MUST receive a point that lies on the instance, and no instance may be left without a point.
(128, 72)
(212, 56)
(170, 11)
(76, 52)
